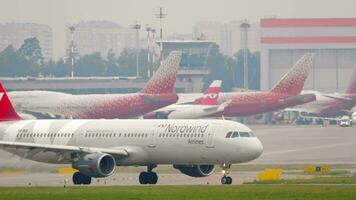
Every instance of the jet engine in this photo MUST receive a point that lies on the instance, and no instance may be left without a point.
(96, 165)
(196, 170)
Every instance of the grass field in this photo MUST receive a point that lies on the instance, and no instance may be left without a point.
(315, 180)
(240, 192)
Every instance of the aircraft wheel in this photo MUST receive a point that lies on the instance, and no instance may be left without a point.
(226, 180)
(143, 178)
(153, 178)
(76, 178)
(86, 180)
(148, 178)
(79, 178)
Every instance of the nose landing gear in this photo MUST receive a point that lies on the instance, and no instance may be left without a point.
(148, 177)
(226, 180)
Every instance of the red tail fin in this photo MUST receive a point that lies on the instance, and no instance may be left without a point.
(7, 112)
(211, 94)
(352, 86)
(165, 77)
(292, 83)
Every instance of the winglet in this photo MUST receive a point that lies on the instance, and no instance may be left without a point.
(7, 111)
(293, 81)
(165, 77)
(352, 87)
(211, 94)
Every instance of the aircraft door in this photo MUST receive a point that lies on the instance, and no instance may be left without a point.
(151, 139)
(210, 137)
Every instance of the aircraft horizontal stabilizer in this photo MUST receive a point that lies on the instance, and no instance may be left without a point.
(160, 98)
(300, 99)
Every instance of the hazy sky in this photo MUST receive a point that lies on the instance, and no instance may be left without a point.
(182, 14)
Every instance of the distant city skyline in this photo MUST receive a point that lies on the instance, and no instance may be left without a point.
(182, 14)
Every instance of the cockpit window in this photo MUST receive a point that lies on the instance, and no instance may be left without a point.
(235, 134)
(228, 135)
(251, 134)
(244, 134)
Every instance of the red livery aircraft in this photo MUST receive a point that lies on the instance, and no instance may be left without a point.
(158, 93)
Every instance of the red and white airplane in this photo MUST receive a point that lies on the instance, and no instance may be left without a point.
(286, 93)
(158, 93)
(329, 106)
(203, 107)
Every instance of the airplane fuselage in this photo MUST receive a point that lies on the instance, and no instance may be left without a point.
(108, 106)
(146, 141)
(251, 103)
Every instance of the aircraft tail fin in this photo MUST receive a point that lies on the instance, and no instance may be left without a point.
(352, 87)
(211, 94)
(165, 77)
(7, 111)
(293, 81)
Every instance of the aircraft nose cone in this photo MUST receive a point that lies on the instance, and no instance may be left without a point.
(258, 150)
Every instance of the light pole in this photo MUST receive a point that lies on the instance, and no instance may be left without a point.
(244, 46)
(161, 15)
(137, 27)
(72, 46)
(148, 29)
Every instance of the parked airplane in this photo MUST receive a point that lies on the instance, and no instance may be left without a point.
(96, 147)
(158, 93)
(286, 93)
(329, 106)
(203, 107)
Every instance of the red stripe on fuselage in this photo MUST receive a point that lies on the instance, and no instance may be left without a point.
(316, 22)
(295, 40)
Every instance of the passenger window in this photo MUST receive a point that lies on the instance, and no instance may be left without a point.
(244, 134)
(229, 134)
(235, 134)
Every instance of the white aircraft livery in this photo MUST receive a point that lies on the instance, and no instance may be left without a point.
(96, 147)
(203, 107)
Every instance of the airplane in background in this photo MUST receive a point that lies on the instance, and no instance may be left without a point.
(96, 147)
(329, 106)
(286, 93)
(157, 93)
(201, 108)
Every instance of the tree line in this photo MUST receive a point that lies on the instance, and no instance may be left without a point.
(28, 61)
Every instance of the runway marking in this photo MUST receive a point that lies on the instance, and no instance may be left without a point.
(310, 148)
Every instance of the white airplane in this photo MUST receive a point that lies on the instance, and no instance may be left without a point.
(96, 147)
(205, 106)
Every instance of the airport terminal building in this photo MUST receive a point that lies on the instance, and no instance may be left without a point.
(333, 40)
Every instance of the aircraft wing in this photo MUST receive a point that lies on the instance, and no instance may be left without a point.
(218, 108)
(339, 97)
(34, 148)
(158, 98)
(299, 110)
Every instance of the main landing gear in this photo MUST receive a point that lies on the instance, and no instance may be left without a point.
(148, 177)
(81, 179)
(226, 180)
